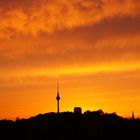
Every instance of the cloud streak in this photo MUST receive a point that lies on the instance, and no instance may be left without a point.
(33, 17)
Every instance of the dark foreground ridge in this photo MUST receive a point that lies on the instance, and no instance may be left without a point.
(69, 126)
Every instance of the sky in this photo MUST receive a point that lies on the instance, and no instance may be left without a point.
(91, 46)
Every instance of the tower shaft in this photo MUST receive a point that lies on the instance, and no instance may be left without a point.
(57, 98)
(57, 106)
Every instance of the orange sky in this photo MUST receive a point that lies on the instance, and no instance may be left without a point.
(91, 46)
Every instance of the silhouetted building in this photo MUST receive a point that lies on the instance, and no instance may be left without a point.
(57, 97)
(87, 112)
(133, 116)
(17, 119)
(77, 110)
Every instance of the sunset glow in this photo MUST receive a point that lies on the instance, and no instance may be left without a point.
(91, 46)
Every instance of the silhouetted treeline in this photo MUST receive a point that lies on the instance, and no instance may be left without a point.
(69, 126)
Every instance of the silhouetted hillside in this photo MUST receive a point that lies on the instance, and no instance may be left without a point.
(69, 126)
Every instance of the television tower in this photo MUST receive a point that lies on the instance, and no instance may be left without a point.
(57, 97)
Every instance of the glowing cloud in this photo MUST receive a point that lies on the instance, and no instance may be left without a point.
(32, 17)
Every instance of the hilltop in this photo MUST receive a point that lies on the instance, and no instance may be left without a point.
(95, 125)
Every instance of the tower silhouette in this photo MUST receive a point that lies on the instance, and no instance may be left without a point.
(57, 97)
